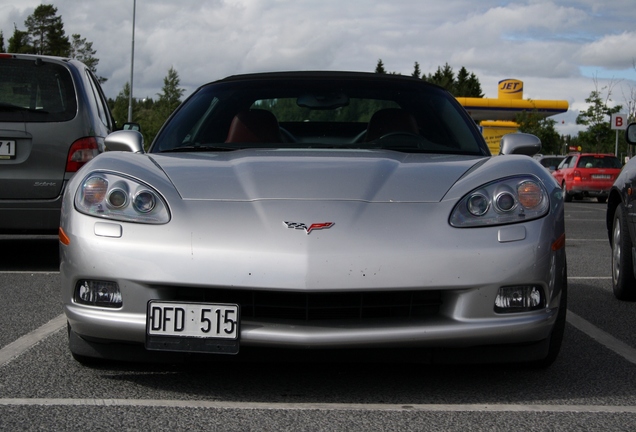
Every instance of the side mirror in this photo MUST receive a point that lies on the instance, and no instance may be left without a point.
(125, 140)
(630, 134)
(519, 143)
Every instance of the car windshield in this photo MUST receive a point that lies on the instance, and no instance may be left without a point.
(598, 161)
(403, 115)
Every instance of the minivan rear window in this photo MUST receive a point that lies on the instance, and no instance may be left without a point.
(35, 91)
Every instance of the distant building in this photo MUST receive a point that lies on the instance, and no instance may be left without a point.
(496, 116)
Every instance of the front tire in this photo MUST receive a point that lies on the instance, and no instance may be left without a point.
(623, 281)
(567, 196)
(556, 336)
(80, 358)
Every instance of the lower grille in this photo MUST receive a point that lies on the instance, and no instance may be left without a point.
(310, 306)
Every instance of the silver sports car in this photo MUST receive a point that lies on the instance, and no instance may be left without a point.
(319, 212)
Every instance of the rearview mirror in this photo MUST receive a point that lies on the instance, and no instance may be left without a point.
(325, 101)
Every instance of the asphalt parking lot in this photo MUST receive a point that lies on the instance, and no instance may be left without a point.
(589, 387)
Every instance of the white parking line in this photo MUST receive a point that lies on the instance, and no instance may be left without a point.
(286, 406)
(28, 272)
(29, 340)
(589, 277)
(18, 347)
(605, 339)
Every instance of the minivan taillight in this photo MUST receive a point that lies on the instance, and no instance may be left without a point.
(82, 150)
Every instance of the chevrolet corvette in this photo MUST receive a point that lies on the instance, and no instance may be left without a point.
(317, 212)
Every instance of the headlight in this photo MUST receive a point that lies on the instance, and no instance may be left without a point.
(506, 201)
(113, 196)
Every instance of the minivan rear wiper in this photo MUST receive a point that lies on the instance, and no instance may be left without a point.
(15, 108)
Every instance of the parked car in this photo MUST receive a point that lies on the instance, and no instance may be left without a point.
(320, 211)
(587, 175)
(53, 119)
(620, 227)
(550, 162)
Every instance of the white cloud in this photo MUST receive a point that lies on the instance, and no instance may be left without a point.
(615, 51)
(550, 45)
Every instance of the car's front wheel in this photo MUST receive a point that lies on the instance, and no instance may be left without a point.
(568, 197)
(623, 281)
(556, 337)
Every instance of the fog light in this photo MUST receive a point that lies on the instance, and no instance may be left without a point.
(519, 299)
(98, 293)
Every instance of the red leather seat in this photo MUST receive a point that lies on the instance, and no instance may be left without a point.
(257, 126)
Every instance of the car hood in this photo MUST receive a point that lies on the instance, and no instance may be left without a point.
(361, 175)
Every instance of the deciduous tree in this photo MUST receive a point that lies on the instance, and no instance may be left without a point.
(598, 137)
(543, 127)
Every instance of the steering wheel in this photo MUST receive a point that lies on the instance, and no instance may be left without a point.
(287, 136)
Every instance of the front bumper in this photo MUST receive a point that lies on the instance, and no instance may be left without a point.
(441, 331)
(467, 266)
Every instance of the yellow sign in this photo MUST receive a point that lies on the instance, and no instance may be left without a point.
(494, 132)
(510, 89)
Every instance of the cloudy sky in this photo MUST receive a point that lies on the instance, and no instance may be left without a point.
(560, 49)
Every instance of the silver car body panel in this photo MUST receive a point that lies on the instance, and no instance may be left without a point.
(227, 230)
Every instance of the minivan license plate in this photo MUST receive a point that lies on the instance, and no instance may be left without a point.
(7, 149)
(192, 327)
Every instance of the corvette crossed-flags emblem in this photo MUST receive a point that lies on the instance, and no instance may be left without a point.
(308, 228)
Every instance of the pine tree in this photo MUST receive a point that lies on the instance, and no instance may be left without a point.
(380, 67)
(467, 84)
(170, 98)
(444, 77)
(84, 52)
(46, 32)
(463, 85)
(19, 42)
(417, 73)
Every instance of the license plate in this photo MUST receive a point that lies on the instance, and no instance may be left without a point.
(192, 327)
(601, 176)
(7, 149)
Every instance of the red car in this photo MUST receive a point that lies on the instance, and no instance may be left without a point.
(587, 174)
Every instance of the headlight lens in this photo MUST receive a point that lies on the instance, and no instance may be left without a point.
(113, 196)
(506, 201)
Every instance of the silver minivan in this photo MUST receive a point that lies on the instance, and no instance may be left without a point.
(53, 119)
